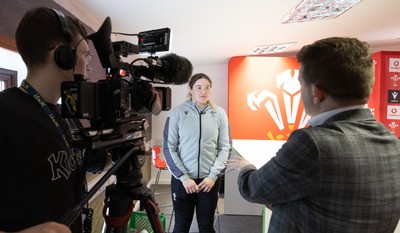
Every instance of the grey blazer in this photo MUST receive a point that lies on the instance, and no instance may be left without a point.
(342, 176)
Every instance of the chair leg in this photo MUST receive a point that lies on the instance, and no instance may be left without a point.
(217, 219)
(170, 220)
(155, 193)
(157, 180)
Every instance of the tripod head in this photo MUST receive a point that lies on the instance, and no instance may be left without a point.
(130, 173)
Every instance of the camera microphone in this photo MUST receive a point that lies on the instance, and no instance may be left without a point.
(171, 68)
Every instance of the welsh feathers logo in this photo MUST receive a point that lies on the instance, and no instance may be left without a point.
(264, 99)
(289, 87)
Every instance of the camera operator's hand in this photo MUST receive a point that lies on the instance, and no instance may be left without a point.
(190, 186)
(48, 227)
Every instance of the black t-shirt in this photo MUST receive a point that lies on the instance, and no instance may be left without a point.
(39, 178)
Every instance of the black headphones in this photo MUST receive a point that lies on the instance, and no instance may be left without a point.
(65, 56)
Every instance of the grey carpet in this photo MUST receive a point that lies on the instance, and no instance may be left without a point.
(239, 224)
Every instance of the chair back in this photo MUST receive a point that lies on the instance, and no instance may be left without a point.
(157, 161)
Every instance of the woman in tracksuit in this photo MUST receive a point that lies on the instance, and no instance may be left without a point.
(196, 146)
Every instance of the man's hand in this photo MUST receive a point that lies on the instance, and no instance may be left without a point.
(236, 163)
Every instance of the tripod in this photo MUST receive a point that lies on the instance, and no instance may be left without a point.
(119, 196)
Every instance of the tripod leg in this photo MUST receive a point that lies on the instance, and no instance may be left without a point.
(117, 210)
(152, 213)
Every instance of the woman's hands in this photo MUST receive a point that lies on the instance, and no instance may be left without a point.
(205, 186)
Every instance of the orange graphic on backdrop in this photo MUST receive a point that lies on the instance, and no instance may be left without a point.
(264, 98)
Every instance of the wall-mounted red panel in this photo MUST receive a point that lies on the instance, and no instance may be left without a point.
(385, 96)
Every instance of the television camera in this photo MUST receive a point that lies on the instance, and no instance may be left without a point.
(116, 109)
(126, 93)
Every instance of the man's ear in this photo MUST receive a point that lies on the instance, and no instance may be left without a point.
(318, 93)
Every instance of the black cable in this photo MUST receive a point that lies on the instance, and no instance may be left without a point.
(87, 223)
(125, 34)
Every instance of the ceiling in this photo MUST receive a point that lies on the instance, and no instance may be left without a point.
(210, 32)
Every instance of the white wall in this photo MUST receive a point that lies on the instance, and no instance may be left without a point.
(219, 95)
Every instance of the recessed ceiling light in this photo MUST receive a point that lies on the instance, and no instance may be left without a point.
(265, 49)
(309, 10)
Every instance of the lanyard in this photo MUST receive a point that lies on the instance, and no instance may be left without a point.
(39, 99)
(31, 91)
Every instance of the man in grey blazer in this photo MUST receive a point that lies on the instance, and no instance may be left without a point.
(341, 174)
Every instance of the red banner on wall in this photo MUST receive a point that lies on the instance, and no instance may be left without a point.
(385, 96)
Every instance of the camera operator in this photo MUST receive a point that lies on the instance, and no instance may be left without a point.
(42, 176)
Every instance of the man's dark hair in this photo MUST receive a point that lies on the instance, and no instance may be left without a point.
(341, 66)
(39, 31)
